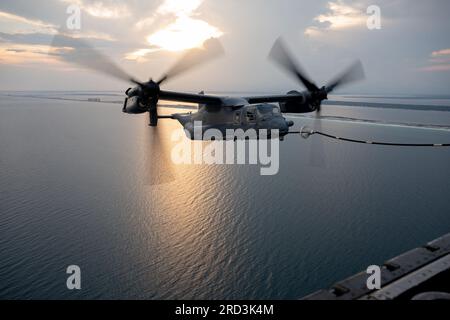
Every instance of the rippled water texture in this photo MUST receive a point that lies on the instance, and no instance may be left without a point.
(74, 189)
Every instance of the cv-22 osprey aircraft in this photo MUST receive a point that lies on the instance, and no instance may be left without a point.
(214, 112)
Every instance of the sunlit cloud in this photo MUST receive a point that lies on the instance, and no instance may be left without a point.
(139, 55)
(169, 10)
(92, 36)
(145, 23)
(440, 53)
(15, 26)
(440, 61)
(14, 23)
(313, 31)
(179, 7)
(26, 42)
(340, 16)
(102, 9)
(437, 68)
(182, 30)
(24, 54)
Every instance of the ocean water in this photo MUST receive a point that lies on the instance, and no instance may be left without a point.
(74, 190)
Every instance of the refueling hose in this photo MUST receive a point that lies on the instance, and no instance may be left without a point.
(306, 133)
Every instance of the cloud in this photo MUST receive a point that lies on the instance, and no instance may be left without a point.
(32, 48)
(25, 54)
(313, 31)
(25, 25)
(168, 11)
(437, 68)
(140, 54)
(440, 53)
(25, 30)
(46, 38)
(179, 7)
(440, 61)
(25, 41)
(26, 38)
(340, 16)
(92, 35)
(102, 9)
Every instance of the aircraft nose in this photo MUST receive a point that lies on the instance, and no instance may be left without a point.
(283, 126)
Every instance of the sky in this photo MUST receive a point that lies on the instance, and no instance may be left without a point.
(408, 54)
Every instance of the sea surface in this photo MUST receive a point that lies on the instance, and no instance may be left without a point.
(77, 187)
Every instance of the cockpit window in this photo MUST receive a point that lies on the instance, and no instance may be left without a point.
(265, 109)
(276, 110)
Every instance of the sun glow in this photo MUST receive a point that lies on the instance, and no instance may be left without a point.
(185, 32)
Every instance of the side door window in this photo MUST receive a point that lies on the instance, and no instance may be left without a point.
(250, 115)
(237, 117)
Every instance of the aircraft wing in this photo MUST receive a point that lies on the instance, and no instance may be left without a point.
(189, 97)
(216, 100)
(274, 98)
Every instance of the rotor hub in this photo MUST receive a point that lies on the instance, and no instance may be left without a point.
(150, 91)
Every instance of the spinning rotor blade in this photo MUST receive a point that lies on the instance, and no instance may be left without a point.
(354, 73)
(79, 52)
(281, 55)
(193, 58)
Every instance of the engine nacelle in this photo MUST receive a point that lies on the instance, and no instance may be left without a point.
(300, 106)
(133, 105)
(131, 92)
